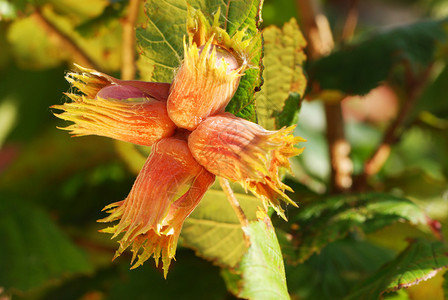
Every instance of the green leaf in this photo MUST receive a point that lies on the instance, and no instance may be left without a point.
(55, 176)
(432, 99)
(116, 281)
(243, 102)
(283, 74)
(445, 284)
(34, 251)
(332, 273)
(356, 69)
(290, 113)
(44, 54)
(420, 261)
(161, 37)
(190, 278)
(8, 10)
(160, 42)
(43, 51)
(214, 231)
(262, 273)
(330, 219)
(111, 12)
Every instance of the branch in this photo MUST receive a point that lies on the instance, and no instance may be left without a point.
(341, 164)
(351, 21)
(128, 51)
(414, 86)
(235, 205)
(79, 56)
(318, 32)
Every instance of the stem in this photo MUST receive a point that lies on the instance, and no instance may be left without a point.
(128, 51)
(65, 41)
(235, 205)
(318, 32)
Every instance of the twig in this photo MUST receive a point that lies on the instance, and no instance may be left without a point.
(339, 148)
(317, 30)
(66, 42)
(128, 50)
(235, 205)
(351, 21)
(373, 165)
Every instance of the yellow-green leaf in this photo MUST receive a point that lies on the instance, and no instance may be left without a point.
(214, 231)
(261, 273)
(420, 261)
(283, 71)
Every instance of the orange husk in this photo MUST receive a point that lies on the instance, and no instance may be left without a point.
(138, 121)
(123, 110)
(200, 87)
(244, 152)
(208, 77)
(89, 82)
(152, 215)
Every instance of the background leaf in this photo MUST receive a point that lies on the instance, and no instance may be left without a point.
(283, 74)
(34, 250)
(432, 99)
(327, 220)
(420, 261)
(214, 231)
(333, 272)
(261, 271)
(358, 68)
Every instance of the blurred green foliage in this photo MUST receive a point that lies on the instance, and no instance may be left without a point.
(52, 187)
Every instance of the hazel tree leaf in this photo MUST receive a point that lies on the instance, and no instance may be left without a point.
(261, 273)
(45, 52)
(214, 231)
(445, 285)
(243, 102)
(330, 219)
(160, 42)
(8, 10)
(421, 260)
(111, 12)
(356, 69)
(333, 273)
(283, 74)
(432, 98)
(290, 113)
(34, 251)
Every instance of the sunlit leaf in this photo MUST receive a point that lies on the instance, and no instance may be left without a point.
(283, 74)
(213, 229)
(261, 271)
(44, 54)
(420, 261)
(428, 289)
(34, 251)
(330, 219)
(34, 48)
(356, 69)
(8, 10)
